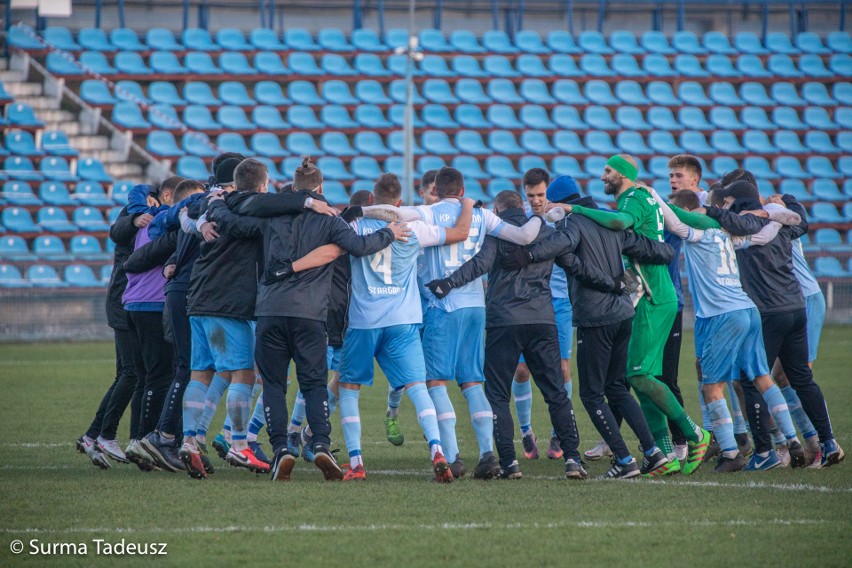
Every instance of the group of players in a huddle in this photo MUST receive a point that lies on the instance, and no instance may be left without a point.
(217, 287)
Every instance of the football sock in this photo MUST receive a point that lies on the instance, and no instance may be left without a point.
(426, 416)
(522, 393)
(350, 420)
(482, 418)
(740, 425)
(446, 415)
(193, 406)
(653, 392)
(705, 414)
(298, 413)
(778, 408)
(778, 438)
(394, 398)
(657, 423)
(238, 403)
(797, 413)
(258, 420)
(256, 389)
(217, 388)
(723, 425)
(226, 429)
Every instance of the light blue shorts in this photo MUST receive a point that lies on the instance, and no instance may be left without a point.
(332, 357)
(454, 345)
(221, 344)
(397, 349)
(815, 308)
(564, 327)
(730, 344)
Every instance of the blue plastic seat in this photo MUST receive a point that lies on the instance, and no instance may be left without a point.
(779, 65)
(826, 213)
(18, 220)
(598, 92)
(759, 166)
(841, 64)
(820, 166)
(717, 42)
(161, 39)
(537, 142)
(94, 61)
(688, 66)
(663, 142)
(502, 116)
(199, 93)
(365, 167)
(599, 143)
(58, 65)
(625, 42)
(197, 39)
(630, 92)
(94, 39)
(779, 43)
(594, 65)
(162, 143)
(692, 93)
(844, 140)
(594, 42)
(437, 116)
(626, 66)
(13, 247)
(365, 39)
(21, 36)
(526, 163)
(121, 190)
(53, 193)
(300, 39)
(131, 63)
(470, 116)
(269, 63)
(304, 93)
(529, 41)
(755, 118)
(337, 92)
(695, 143)
(631, 118)
(130, 91)
(166, 63)
(693, 118)
(56, 168)
(788, 166)
(232, 142)
(232, 39)
(816, 94)
(497, 185)
(796, 188)
(335, 193)
(398, 92)
(235, 63)
(371, 92)
(535, 91)
(436, 66)
(86, 247)
(758, 142)
(724, 94)
(438, 91)
(268, 118)
(20, 114)
(564, 66)
(125, 39)
(599, 117)
(502, 167)
(129, 115)
(839, 42)
(270, 93)
(748, 42)
(11, 277)
(465, 42)
(469, 167)
(503, 91)
(820, 142)
(303, 117)
(371, 65)
(497, 41)
(191, 167)
(844, 164)
(726, 142)
(198, 117)
(19, 193)
(812, 66)
(631, 143)
(266, 40)
(164, 92)
(21, 143)
(755, 94)
(561, 41)
(661, 118)
(437, 142)
(657, 65)
(567, 142)
(817, 117)
(201, 63)
(568, 92)
(788, 142)
(335, 144)
(721, 66)
(660, 93)
(61, 38)
(335, 64)
(370, 144)
(434, 40)
(499, 66)
(396, 143)
(20, 168)
(234, 118)
(54, 220)
(267, 144)
(234, 93)
(396, 37)
(751, 66)
(164, 117)
(535, 117)
(81, 276)
(687, 42)
(826, 190)
(92, 170)
(656, 42)
(567, 165)
(528, 65)
(787, 118)
(92, 194)
(719, 166)
(810, 42)
(786, 94)
(504, 142)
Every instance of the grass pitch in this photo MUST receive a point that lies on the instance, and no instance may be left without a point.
(52, 495)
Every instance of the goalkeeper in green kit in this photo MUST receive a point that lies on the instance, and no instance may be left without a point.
(655, 313)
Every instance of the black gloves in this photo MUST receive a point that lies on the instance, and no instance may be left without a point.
(440, 287)
(517, 259)
(277, 271)
(351, 213)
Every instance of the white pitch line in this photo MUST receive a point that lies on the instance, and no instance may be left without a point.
(426, 527)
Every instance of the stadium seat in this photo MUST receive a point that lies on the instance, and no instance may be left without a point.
(844, 165)
(626, 66)
(529, 66)
(371, 92)
(758, 142)
(13, 247)
(21, 143)
(826, 190)
(433, 40)
(131, 63)
(688, 66)
(301, 143)
(759, 166)
(53, 193)
(56, 168)
(269, 63)
(812, 65)
(96, 93)
(567, 165)
(687, 42)
(563, 42)
(820, 143)
(365, 39)
(841, 65)
(121, 190)
(501, 167)
(810, 42)
(780, 65)
(719, 166)
(662, 118)
(396, 37)
(191, 167)
(89, 219)
(503, 91)
(334, 64)
(94, 39)
(598, 92)
(131, 91)
(335, 144)
(839, 42)
(599, 117)
(748, 42)
(496, 185)
(692, 93)
(796, 188)
(81, 276)
(789, 142)
(267, 144)
(40, 275)
(535, 91)
(502, 116)
(750, 66)
(11, 277)
(201, 63)
(497, 41)
(844, 140)
(53, 219)
(465, 42)
(503, 142)
(568, 92)
(817, 117)
(438, 91)
(594, 65)
(599, 143)
(594, 42)
(92, 170)
(663, 142)
(303, 117)
(817, 94)
(199, 117)
(87, 247)
(59, 65)
(232, 142)
(232, 39)
(788, 118)
(60, 38)
(470, 116)
(656, 42)
(437, 142)
(370, 144)
(660, 93)
(369, 64)
(537, 142)
(164, 117)
(778, 43)
(755, 118)
(693, 118)
(270, 93)
(822, 212)
(526, 163)
(365, 167)
(164, 92)
(631, 143)
(396, 115)
(437, 116)
(18, 220)
(20, 168)
(235, 63)
(196, 39)
(788, 166)
(469, 167)
(333, 169)
(304, 93)
(821, 167)
(630, 92)
(125, 39)
(266, 40)
(200, 93)
(268, 118)
(337, 92)
(20, 114)
(426, 163)
(564, 66)
(631, 118)
(568, 142)
(529, 41)
(755, 94)
(717, 42)
(786, 94)
(842, 93)
(828, 239)
(19, 193)
(396, 143)
(161, 39)
(724, 94)
(625, 42)
(535, 117)
(695, 143)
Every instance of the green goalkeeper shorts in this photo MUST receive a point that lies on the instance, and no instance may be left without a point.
(651, 328)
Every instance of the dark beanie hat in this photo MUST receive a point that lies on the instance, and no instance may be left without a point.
(225, 171)
(308, 176)
(563, 188)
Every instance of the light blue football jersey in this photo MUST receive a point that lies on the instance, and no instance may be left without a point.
(803, 273)
(441, 261)
(384, 284)
(714, 275)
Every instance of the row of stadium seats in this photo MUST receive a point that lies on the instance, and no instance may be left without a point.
(55, 220)
(57, 194)
(23, 143)
(52, 248)
(74, 275)
(131, 63)
(431, 40)
(21, 168)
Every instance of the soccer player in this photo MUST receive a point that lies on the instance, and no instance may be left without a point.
(768, 279)
(384, 317)
(728, 336)
(519, 320)
(535, 184)
(656, 309)
(427, 188)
